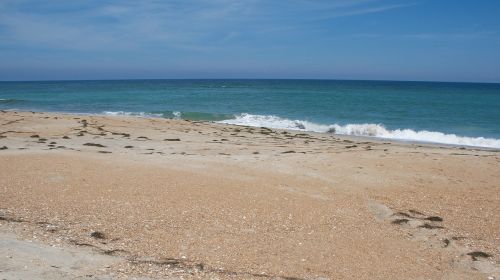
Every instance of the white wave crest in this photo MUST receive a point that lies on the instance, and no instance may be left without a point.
(135, 114)
(177, 114)
(367, 129)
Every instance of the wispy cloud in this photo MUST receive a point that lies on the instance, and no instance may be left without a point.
(372, 10)
(449, 36)
(97, 25)
(366, 35)
(354, 8)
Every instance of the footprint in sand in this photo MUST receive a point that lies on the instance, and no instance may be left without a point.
(429, 229)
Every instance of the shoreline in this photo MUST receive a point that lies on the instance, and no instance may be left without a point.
(176, 198)
(351, 137)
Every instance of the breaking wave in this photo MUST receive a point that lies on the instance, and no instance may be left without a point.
(135, 114)
(194, 116)
(367, 129)
(9, 100)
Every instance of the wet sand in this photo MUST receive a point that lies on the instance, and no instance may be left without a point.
(172, 198)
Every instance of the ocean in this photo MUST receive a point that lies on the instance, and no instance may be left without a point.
(450, 113)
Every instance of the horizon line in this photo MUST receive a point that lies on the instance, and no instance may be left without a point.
(248, 79)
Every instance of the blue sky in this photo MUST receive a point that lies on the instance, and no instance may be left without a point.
(443, 40)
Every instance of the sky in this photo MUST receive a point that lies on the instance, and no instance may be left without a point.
(431, 40)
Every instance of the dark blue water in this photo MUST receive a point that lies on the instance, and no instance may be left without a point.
(370, 108)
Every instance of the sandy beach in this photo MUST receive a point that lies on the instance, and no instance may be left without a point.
(159, 198)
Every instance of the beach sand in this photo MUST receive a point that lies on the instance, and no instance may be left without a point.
(197, 200)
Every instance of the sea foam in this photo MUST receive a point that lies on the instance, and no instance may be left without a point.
(366, 129)
(9, 100)
(135, 114)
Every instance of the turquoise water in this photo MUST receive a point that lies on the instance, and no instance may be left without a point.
(453, 113)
